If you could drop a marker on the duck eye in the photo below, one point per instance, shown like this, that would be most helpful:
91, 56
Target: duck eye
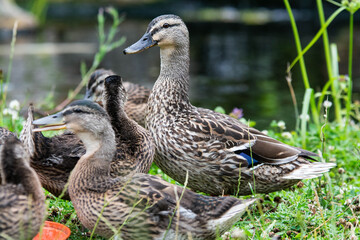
166, 25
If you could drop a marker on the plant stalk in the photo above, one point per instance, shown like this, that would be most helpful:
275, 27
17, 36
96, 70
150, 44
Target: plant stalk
328, 63
349, 90
314, 111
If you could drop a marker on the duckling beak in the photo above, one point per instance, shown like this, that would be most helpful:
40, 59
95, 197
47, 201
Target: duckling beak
88, 95
145, 42
51, 122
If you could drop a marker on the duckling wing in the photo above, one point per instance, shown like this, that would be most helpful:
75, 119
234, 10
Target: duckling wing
137, 94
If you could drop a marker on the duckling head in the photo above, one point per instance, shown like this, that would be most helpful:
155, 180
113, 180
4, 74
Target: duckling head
85, 118
165, 31
14, 161
115, 94
95, 86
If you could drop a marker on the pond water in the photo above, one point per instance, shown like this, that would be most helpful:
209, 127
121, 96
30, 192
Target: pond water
232, 65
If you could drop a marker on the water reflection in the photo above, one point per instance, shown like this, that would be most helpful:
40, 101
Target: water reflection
231, 65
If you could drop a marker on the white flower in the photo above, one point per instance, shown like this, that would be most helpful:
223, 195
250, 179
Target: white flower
6, 111
327, 104
265, 132
14, 114
307, 117
331, 148
281, 125
286, 135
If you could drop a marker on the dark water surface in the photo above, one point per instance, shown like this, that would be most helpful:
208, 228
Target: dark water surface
232, 65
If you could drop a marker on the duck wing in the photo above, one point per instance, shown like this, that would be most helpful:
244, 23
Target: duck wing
249, 144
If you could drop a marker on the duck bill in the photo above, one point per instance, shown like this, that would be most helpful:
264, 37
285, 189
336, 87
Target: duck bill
88, 95
50, 123
145, 42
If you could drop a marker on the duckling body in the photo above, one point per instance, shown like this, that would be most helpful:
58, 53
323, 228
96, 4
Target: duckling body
137, 95
4, 134
222, 155
136, 148
22, 201
137, 206
54, 158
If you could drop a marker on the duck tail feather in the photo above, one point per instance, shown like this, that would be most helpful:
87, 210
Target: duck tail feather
308, 171
226, 220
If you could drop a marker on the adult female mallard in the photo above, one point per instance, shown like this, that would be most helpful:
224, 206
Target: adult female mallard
135, 106
54, 158
222, 155
137, 206
22, 200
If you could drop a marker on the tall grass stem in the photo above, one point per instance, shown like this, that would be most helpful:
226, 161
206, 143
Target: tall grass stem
349, 90
336, 100
305, 109
314, 112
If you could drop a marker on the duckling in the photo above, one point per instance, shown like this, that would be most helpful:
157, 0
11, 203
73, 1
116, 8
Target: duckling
4, 134
138, 206
135, 147
54, 158
222, 155
135, 106
22, 200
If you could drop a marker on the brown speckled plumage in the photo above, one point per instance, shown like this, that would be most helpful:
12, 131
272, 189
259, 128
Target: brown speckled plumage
137, 206
135, 146
54, 158
135, 106
213, 147
22, 200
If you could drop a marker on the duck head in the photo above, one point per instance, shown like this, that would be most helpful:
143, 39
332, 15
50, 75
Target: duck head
165, 31
86, 119
95, 86
115, 94
14, 161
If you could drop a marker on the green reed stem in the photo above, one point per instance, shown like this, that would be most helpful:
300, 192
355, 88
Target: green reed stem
305, 109
314, 111
351, 40
106, 45
328, 62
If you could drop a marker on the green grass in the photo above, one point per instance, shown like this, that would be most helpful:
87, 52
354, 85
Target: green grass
324, 208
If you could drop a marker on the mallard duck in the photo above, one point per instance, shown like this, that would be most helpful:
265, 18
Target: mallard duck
54, 158
137, 206
135, 106
22, 200
222, 155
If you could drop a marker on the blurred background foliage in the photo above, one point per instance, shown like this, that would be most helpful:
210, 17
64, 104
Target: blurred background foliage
239, 51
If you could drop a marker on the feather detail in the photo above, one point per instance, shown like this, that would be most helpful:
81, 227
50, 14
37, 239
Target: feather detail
308, 171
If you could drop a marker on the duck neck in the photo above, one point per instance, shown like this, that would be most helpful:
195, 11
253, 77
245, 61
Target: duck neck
100, 150
121, 123
32, 184
26, 176
173, 81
